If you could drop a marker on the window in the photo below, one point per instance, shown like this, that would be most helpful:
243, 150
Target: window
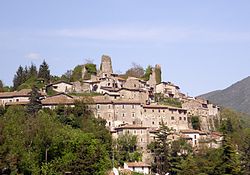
98, 106
180, 118
145, 110
123, 115
194, 136
134, 85
153, 110
163, 111
134, 131
185, 118
133, 114
133, 122
133, 106
17, 100
172, 118
141, 139
153, 123
122, 106
159, 110
109, 106
109, 123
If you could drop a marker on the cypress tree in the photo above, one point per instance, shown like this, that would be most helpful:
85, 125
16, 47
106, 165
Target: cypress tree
19, 77
230, 159
35, 103
32, 71
44, 72
1, 86
161, 150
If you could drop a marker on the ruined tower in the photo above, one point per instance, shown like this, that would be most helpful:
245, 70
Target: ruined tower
155, 76
106, 66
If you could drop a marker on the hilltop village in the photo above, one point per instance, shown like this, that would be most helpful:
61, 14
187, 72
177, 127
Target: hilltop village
133, 105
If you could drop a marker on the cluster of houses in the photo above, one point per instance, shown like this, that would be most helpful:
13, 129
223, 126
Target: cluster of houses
128, 106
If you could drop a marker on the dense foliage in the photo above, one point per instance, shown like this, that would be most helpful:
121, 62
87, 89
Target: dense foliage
161, 99
28, 77
126, 149
54, 142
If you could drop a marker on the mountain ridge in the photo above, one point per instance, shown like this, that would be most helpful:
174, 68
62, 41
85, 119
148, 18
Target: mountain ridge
236, 96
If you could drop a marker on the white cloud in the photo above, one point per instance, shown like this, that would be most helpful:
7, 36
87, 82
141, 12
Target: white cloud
33, 56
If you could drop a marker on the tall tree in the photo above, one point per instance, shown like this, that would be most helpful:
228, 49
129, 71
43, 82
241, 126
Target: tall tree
161, 150
35, 103
1, 86
148, 71
44, 72
245, 151
230, 160
32, 71
19, 77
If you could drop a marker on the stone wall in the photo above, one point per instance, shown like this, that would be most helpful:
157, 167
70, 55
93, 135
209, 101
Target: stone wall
106, 66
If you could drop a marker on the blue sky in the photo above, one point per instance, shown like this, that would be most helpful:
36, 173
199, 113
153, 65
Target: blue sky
201, 45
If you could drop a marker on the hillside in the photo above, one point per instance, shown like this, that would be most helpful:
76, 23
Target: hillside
236, 96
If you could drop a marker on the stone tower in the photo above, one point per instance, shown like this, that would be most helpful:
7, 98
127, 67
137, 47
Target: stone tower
106, 66
155, 76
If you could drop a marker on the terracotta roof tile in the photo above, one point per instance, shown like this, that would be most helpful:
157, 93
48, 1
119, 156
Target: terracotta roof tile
137, 164
60, 99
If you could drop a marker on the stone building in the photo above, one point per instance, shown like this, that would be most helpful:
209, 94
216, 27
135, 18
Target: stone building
105, 67
206, 112
168, 89
61, 86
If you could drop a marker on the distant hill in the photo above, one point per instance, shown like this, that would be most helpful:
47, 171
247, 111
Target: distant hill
236, 96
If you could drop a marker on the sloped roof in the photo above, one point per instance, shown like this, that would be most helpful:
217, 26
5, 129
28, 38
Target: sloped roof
191, 131
156, 106
137, 164
58, 99
131, 127
21, 93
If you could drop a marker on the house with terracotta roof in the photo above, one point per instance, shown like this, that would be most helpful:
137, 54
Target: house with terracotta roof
60, 99
139, 167
16, 96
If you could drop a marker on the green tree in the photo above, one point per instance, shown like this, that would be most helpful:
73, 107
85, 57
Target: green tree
43, 145
195, 120
1, 86
148, 72
19, 77
126, 149
245, 151
178, 151
158, 74
161, 150
32, 71
230, 160
44, 72
77, 73
188, 166
35, 102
